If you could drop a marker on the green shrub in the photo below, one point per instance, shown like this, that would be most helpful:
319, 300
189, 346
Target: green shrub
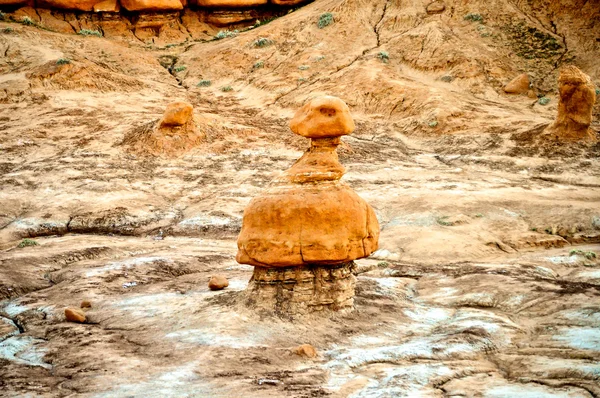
447, 78
224, 34
89, 32
7, 30
63, 61
544, 101
27, 242
302, 80
27, 21
433, 123
180, 68
383, 56
258, 65
325, 19
319, 58
226, 88
203, 83
303, 67
473, 17
598, 91
262, 42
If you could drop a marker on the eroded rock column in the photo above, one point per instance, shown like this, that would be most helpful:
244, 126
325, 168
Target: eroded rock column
304, 232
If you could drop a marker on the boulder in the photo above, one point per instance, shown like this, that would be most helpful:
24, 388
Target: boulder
107, 6
151, 5
230, 3
577, 96
86, 304
177, 114
218, 282
305, 350
437, 7
518, 85
80, 5
324, 116
74, 315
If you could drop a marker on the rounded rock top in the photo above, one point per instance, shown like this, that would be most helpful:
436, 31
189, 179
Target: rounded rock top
323, 117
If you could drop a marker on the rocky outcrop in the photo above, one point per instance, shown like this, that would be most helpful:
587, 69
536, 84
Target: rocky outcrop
151, 5
577, 98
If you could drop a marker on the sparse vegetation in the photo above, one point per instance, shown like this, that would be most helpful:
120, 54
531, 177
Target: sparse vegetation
2, 16
478, 215
27, 242
534, 229
447, 78
319, 58
590, 255
303, 67
263, 22
442, 221
433, 123
383, 264
63, 61
224, 34
473, 17
262, 42
325, 19
180, 68
7, 30
544, 101
530, 43
203, 83
383, 56
598, 91
27, 21
226, 89
302, 80
89, 32
258, 65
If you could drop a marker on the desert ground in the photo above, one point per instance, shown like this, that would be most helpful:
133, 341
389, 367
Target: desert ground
486, 282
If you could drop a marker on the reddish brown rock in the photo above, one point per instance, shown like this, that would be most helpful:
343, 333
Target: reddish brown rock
218, 282
577, 98
288, 2
81, 5
305, 350
151, 5
323, 117
74, 315
86, 304
518, 85
14, 2
177, 114
107, 6
230, 3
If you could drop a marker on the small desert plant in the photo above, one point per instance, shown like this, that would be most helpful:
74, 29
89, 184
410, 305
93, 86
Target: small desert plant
2, 16
320, 58
433, 123
262, 42
223, 34
63, 61
7, 30
325, 19
89, 32
478, 215
383, 264
263, 22
589, 255
303, 67
383, 56
473, 17
442, 221
598, 91
544, 101
226, 88
447, 78
302, 80
27, 242
180, 68
203, 83
534, 229
258, 65
27, 21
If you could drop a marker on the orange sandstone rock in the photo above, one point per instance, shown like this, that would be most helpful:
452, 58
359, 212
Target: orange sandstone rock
305, 350
74, 315
177, 114
518, 85
107, 6
577, 98
288, 2
308, 216
218, 282
86, 304
230, 3
81, 5
151, 5
13, 2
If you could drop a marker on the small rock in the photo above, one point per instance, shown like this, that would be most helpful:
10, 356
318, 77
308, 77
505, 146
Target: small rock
177, 114
305, 350
596, 222
74, 315
218, 282
86, 304
437, 7
518, 85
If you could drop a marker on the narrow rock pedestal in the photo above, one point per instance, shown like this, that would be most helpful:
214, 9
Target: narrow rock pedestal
302, 290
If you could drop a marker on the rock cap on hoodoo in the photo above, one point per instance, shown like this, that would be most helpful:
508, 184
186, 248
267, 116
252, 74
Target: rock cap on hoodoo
309, 216
322, 117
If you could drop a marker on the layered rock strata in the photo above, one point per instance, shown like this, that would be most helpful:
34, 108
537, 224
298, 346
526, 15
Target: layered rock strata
304, 232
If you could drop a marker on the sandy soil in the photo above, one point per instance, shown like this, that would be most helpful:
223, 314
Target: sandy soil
481, 286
